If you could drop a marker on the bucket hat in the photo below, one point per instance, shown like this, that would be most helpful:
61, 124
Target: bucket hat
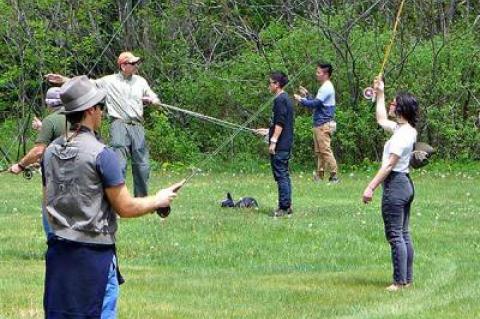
79, 94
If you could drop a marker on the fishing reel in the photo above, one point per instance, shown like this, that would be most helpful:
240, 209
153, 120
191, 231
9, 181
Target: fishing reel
28, 173
369, 94
163, 212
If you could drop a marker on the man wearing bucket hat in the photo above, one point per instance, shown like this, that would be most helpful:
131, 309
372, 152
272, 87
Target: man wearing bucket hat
84, 190
52, 127
127, 93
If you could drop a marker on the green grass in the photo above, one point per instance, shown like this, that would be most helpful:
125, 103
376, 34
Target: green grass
328, 261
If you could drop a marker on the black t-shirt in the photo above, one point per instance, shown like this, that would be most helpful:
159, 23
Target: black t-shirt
283, 115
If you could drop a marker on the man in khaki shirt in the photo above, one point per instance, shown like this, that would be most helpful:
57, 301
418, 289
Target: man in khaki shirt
127, 93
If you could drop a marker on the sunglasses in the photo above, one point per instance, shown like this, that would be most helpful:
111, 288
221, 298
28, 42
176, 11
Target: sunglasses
132, 63
101, 106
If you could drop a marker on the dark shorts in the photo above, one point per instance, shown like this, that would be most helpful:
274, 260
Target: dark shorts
75, 279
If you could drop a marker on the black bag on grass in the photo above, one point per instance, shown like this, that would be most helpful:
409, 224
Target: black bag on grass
245, 202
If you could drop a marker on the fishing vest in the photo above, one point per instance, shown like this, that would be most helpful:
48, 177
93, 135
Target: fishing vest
76, 203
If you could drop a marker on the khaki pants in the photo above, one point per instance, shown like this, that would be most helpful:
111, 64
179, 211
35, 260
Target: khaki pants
322, 136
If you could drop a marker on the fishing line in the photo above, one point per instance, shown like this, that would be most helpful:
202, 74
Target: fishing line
238, 130
114, 36
207, 118
24, 126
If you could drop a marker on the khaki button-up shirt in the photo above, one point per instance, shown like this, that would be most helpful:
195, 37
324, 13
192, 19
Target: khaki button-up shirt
124, 95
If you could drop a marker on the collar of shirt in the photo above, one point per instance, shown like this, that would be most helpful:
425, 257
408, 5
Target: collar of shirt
124, 78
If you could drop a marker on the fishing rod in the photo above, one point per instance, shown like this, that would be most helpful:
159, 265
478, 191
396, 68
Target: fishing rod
27, 171
369, 92
163, 212
207, 118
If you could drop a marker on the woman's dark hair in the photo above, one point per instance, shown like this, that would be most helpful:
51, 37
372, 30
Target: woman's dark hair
279, 77
407, 107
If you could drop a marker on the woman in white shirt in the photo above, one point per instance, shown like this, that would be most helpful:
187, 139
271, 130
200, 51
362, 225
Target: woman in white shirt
398, 190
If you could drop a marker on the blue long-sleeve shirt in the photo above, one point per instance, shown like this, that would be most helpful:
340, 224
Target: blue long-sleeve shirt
323, 104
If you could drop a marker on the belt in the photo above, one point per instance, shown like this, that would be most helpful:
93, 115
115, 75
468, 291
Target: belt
324, 123
394, 174
79, 243
128, 122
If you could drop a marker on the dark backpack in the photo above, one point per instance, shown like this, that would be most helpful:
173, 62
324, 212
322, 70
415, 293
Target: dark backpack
421, 154
228, 202
245, 202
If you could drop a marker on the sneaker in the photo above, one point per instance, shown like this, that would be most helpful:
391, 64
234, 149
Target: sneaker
334, 179
394, 288
282, 213
397, 287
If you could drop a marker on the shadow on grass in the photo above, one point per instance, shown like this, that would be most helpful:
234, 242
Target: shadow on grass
265, 211
355, 281
247, 211
40, 255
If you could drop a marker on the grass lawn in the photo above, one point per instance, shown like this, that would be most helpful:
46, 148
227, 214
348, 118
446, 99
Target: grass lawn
330, 260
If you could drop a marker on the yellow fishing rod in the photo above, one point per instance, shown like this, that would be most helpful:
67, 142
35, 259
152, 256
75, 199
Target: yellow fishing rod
369, 92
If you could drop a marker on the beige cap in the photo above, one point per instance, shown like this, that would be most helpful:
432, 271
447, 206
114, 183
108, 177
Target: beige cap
127, 57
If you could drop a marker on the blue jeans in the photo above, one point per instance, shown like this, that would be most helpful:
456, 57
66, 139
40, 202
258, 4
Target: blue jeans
46, 226
279, 163
109, 307
398, 194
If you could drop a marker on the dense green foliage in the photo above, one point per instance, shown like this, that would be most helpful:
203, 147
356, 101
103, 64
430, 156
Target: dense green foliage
330, 260
214, 57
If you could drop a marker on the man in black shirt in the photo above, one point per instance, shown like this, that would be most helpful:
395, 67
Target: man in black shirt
280, 137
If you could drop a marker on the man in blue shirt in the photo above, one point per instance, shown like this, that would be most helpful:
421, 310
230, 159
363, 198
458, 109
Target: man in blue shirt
280, 137
323, 106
